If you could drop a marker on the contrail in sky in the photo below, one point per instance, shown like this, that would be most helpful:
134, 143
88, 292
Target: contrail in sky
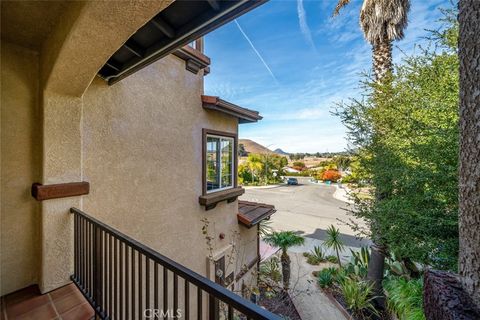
256, 51
302, 19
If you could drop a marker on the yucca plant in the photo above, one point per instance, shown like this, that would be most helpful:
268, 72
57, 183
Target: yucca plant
358, 297
270, 269
334, 242
284, 240
361, 258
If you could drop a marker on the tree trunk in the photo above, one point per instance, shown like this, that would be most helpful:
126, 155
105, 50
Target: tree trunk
376, 266
285, 259
338, 257
469, 175
382, 58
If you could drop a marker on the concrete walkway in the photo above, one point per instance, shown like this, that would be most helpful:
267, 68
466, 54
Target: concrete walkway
310, 301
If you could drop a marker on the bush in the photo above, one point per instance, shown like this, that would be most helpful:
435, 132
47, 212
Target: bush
358, 297
404, 298
331, 175
315, 256
332, 259
326, 277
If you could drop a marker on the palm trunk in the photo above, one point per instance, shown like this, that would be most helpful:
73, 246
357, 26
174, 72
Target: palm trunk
285, 260
382, 58
338, 257
469, 215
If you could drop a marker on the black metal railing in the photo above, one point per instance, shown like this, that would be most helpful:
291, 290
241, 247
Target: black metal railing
124, 279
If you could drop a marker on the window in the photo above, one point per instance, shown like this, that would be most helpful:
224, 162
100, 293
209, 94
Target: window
219, 161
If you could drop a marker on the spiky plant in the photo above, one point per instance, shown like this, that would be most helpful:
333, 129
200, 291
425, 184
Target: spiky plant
284, 240
334, 242
382, 22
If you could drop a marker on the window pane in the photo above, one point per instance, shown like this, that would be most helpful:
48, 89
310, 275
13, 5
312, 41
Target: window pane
227, 162
213, 163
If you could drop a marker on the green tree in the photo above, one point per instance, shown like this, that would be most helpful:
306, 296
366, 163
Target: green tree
284, 240
408, 142
334, 242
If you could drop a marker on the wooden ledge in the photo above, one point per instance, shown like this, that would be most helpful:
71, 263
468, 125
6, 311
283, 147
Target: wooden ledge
210, 200
62, 190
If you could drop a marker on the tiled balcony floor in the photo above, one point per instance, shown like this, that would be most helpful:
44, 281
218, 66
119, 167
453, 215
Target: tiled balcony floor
65, 303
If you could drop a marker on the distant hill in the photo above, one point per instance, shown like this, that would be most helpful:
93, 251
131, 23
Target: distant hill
281, 152
251, 146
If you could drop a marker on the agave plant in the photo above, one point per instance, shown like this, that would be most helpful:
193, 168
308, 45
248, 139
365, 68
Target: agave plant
270, 269
334, 242
326, 277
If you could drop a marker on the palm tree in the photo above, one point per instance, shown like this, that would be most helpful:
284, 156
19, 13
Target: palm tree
382, 22
284, 240
334, 242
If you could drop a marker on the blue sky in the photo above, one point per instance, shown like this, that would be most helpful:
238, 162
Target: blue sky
292, 61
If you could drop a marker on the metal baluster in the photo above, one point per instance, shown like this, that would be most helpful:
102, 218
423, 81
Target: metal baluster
127, 283
133, 284
230, 312
110, 273
175, 294
105, 274
122, 263
199, 303
212, 310
187, 301
115, 279
147, 283
140, 286
165, 289
155, 286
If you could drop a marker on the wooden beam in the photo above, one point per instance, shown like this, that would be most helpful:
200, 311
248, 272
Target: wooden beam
112, 65
214, 4
62, 190
134, 48
164, 27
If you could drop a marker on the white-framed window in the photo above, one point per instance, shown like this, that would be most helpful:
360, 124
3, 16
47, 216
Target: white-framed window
219, 162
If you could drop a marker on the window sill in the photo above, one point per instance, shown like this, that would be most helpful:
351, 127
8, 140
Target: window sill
210, 200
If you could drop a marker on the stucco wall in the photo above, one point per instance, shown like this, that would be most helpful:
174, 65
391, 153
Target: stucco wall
142, 154
20, 167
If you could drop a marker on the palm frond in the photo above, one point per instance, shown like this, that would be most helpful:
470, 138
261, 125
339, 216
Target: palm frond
384, 19
339, 6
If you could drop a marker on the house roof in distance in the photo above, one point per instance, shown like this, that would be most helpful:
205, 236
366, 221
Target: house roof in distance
244, 115
251, 213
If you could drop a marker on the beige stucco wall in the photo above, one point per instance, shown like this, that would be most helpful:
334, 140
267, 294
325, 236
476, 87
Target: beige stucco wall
142, 154
20, 167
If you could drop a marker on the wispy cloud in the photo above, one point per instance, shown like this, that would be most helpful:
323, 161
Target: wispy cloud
302, 19
256, 51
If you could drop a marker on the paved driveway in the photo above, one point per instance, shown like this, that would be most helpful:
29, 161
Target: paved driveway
308, 209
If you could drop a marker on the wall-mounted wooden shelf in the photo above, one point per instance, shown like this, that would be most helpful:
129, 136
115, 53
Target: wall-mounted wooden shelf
62, 190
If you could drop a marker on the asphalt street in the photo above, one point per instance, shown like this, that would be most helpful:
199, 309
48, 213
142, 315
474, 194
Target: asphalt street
308, 209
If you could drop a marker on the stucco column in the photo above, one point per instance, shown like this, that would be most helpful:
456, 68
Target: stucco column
62, 163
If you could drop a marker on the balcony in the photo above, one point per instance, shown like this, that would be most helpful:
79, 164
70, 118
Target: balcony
123, 279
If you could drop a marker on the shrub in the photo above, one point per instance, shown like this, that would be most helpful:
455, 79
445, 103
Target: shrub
404, 298
315, 256
332, 259
331, 175
358, 297
326, 277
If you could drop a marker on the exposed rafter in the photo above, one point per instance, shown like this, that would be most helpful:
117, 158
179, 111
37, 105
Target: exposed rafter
214, 4
164, 27
134, 48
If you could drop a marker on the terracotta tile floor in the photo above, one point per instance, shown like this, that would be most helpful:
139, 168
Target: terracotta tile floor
64, 303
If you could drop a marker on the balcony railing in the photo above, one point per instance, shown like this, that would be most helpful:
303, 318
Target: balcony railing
124, 279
